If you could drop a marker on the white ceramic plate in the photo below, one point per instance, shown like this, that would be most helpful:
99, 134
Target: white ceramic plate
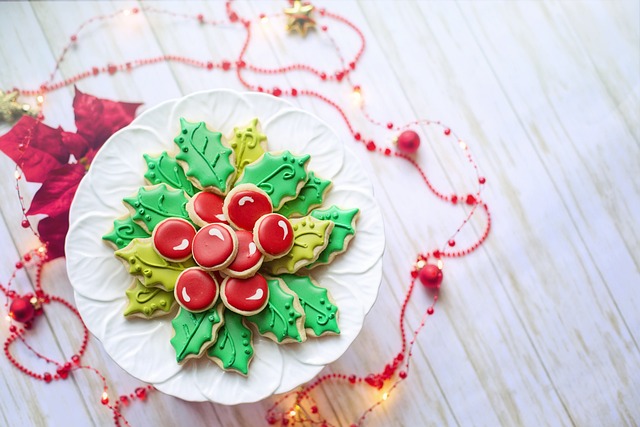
142, 347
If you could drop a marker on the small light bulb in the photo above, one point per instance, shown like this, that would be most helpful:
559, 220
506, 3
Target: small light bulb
292, 413
17, 174
127, 12
39, 99
357, 95
462, 144
8, 318
385, 396
440, 264
42, 250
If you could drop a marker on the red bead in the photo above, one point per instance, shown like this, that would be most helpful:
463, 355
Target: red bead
135, 10
431, 276
357, 136
47, 377
451, 243
314, 409
371, 146
447, 131
74, 38
233, 17
13, 329
294, 92
22, 310
339, 75
25, 223
19, 265
324, 28
389, 125
436, 254
141, 393
323, 76
75, 359
430, 311
200, 18
226, 65
454, 199
112, 69
387, 152
408, 142
352, 379
124, 400
352, 65
403, 374
62, 372
471, 200
276, 91
271, 419
482, 180
27, 257
104, 399
414, 274
209, 65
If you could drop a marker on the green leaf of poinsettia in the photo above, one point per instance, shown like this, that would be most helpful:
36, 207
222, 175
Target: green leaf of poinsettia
344, 228
282, 319
148, 301
144, 261
321, 315
280, 175
207, 160
154, 204
124, 231
233, 348
194, 331
311, 195
165, 169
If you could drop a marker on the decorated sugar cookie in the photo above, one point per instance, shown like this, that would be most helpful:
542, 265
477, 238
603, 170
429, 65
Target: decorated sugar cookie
194, 332
124, 231
244, 205
344, 230
245, 296
248, 145
215, 246
152, 205
273, 235
233, 349
148, 302
196, 290
206, 208
172, 239
311, 195
248, 259
164, 169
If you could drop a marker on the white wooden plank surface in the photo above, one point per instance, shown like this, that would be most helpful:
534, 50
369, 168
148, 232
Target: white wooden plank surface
539, 327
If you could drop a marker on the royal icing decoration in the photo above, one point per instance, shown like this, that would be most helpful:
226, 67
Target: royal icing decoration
311, 195
154, 204
124, 231
310, 237
207, 161
248, 145
165, 169
215, 246
172, 239
148, 302
195, 241
233, 349
245, 296
205, 208
196, 290
245, 204
280, 175
248, 259
273, 234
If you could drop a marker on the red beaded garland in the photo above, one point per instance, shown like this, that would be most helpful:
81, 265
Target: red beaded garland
21, 310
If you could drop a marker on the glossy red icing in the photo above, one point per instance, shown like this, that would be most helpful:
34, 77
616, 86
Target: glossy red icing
274, 234
208, 206
245, 207
248, 255
214, 245
196, 290
245, 295
172, 238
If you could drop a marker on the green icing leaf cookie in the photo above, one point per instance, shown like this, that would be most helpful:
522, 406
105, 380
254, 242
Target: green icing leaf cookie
344, 229
280, 175
154, 204
282, 319
124, 231
206, 159
156, 271
165, 169
233, 348
193, 331
321, 315
248, 144
145, 302
310, 237
311, 195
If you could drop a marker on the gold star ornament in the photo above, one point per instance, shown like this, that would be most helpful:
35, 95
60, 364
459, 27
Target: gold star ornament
299, 17
11, 110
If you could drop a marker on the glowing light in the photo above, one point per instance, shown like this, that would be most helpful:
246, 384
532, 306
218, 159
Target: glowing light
293, 413
127, 12
42, 250
385, 396
8, 318
17, 174
440, 264
462, 144
264, 20
357, 95
39, 99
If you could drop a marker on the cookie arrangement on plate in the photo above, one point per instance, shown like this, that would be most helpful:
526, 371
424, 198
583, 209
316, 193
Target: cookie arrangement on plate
229, 234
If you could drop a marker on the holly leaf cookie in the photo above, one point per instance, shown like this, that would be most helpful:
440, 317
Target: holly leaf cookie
152, 205
206, 160
124, 231
165, 169
143, 260
344, 229
311, 195
282, 320
321, 314
148, 302
233, 349
248, 145
311, 237
193, 332
280, 175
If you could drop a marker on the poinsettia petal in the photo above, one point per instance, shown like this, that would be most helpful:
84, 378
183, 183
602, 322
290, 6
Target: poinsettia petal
97, 119
43, 151
75, 144
56, 193
52, 231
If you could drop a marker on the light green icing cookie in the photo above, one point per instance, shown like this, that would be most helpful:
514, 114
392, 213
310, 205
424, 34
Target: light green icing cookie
165, 169
208, 161
193, 331
310, 237
233, 349
124, 231
280, 175
311, 195
248, 145
282, 319
344, 229
151, 205
155, 271
147, 301
321, 316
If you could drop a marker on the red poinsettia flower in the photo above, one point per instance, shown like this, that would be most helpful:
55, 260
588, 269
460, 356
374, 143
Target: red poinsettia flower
59, 159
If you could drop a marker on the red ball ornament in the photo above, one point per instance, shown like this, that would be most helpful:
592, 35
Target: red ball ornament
21, 310
430, 276
408, 142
